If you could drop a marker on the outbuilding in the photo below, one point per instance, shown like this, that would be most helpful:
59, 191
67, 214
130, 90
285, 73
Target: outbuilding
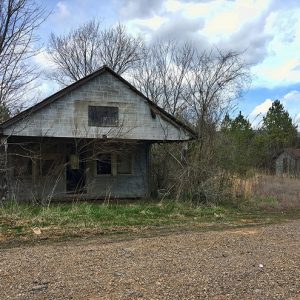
288, 163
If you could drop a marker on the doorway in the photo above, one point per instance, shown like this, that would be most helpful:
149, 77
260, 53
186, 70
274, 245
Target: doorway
75, 171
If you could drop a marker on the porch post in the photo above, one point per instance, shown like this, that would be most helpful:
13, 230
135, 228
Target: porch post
3, 170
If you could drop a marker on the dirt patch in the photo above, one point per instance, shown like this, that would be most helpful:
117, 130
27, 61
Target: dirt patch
249, 263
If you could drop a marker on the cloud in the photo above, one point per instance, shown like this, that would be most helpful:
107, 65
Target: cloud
292, 97
132, 9
259, 112
262, 108
284, 5
145, 25
181, 29
230, 25
252, 39
290, 101
62, 10
43, 60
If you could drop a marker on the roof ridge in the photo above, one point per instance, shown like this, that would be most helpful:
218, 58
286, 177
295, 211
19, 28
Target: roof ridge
81, 81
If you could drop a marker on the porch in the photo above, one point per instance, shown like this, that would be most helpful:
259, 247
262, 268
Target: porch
66, 168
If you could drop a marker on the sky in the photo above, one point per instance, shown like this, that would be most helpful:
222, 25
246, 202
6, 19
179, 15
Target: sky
266, 31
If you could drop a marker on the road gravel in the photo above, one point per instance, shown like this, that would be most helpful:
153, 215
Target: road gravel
261, 262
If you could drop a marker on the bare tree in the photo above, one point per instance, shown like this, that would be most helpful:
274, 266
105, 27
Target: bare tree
161, 74
119, 50
85, 49
19, 20
214, 81
199, 88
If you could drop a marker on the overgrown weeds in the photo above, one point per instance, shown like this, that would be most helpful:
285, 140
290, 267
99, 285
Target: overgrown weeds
31, 222
267, 192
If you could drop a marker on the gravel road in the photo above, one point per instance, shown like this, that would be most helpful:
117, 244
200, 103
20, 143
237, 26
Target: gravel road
249, 263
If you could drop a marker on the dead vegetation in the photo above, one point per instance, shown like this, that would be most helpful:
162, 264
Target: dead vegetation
268, 191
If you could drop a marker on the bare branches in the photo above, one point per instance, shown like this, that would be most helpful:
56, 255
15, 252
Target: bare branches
119, 50
18, 21
87, 48
215, 80
199, 87
161, 75
75, 54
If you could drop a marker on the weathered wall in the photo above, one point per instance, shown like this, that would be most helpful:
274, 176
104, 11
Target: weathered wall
35, 187
68, 116
38, 187
293, 165
121, 186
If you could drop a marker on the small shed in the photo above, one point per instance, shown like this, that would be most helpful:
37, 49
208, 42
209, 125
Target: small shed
288, 163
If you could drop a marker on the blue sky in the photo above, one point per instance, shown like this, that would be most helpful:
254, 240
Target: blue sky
267, 30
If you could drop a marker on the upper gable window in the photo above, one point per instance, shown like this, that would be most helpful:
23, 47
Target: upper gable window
103, 116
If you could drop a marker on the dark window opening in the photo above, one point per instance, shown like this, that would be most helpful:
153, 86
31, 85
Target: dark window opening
23, 166
104, 164
103, 116
124, 164
48, 167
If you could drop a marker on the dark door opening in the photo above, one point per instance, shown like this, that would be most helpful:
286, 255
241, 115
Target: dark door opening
75, 172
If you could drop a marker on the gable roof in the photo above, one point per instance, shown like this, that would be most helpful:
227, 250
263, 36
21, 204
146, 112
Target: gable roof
79, 83
293, 151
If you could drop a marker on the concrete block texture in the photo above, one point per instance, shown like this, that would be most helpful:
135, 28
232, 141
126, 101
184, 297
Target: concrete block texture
68, 115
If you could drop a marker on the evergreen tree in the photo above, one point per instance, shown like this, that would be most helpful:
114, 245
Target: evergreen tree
237, 147
278, 131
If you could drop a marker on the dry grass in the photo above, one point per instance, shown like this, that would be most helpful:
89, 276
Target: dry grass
269, 191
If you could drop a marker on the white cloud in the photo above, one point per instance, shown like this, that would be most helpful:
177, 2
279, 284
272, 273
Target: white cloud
259, 112
290, 101
261, 109
43, 60
62, 10
292, 97
281, 65
137, 26
267, 30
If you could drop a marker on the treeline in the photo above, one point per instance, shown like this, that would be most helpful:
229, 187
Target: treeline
206, 170
244, 148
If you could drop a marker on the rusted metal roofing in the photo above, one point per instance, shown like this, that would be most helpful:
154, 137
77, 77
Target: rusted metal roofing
293, 151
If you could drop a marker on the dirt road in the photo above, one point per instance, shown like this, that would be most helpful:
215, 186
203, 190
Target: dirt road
250, 263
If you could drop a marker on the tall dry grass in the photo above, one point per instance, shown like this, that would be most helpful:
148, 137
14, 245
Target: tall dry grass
270, 190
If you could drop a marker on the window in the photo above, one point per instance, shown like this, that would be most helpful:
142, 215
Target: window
124, 164
104, 164
23, 166
103, 116
48, 167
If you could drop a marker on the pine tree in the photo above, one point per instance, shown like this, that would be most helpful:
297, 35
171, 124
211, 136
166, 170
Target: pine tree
237, 144
278, 128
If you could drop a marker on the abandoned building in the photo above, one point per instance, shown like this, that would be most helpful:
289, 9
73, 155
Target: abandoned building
288, 163
92, 140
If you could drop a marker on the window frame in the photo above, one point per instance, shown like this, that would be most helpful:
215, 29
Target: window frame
130, 155
95, 124
96, 165
32, 167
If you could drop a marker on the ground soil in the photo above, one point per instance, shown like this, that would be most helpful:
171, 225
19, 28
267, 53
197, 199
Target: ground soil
258, 262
